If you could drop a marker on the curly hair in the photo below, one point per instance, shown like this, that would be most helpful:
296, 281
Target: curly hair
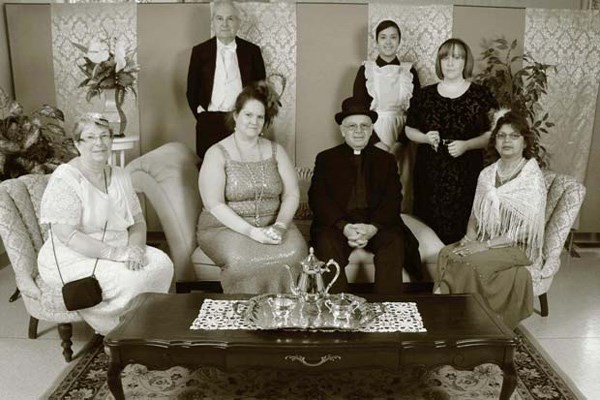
262, 92
518, 122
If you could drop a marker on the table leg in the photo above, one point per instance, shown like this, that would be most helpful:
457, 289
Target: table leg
113, 378
509, 383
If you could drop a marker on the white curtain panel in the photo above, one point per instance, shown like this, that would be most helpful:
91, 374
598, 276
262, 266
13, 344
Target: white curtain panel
80, 23
423, 28
272, 27
569, 39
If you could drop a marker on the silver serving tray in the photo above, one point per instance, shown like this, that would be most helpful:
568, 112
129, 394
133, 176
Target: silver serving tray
286, 311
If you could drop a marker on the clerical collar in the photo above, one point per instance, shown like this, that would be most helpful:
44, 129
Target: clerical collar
356, 152
382, 63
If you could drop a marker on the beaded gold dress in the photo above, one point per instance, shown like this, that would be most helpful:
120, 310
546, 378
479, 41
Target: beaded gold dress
248, 266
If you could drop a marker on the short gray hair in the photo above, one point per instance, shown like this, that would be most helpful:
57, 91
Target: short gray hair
219, 3
86, 120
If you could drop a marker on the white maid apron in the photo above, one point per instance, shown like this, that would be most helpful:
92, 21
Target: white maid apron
391, 88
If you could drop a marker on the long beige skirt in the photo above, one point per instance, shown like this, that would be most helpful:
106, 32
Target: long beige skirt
498, 275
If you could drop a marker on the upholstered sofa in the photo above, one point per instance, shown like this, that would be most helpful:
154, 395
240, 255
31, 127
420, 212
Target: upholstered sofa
168, 177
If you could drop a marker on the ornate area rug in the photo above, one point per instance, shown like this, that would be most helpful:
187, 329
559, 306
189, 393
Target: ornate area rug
536, 381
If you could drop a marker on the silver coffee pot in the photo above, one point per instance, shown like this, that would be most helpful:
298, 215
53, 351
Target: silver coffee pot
310, 286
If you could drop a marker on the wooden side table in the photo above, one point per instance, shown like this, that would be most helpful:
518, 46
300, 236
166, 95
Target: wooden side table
119, 146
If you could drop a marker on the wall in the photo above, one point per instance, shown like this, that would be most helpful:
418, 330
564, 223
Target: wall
327, 61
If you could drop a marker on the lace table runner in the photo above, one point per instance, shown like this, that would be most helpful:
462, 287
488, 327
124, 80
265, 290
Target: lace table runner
228, 314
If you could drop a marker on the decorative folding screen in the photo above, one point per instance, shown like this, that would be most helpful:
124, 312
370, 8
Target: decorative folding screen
569, 39
80, 23
272, 26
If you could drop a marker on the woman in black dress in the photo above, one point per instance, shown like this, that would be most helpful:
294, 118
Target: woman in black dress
450, 122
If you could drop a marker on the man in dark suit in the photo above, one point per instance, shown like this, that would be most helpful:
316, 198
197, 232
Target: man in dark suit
219, 69
356, 197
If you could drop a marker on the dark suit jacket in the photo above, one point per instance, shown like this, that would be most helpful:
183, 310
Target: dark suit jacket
333, 180
331, 188
201, 73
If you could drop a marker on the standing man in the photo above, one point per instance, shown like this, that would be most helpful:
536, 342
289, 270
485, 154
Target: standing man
219, 69
356, 198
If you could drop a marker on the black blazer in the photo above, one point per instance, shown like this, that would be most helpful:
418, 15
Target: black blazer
201, 72
333, 180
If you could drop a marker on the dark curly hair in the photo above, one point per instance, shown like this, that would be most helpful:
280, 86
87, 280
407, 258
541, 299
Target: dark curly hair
519, 123
260, 91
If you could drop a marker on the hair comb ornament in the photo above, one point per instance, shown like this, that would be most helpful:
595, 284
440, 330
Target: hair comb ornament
275, 84
499, 114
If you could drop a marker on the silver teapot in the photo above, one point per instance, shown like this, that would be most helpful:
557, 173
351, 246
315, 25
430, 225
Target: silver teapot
310, 286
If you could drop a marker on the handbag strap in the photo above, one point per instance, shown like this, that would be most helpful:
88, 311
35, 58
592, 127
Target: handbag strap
103, 234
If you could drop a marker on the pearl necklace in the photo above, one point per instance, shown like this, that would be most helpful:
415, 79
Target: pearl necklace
259, 187
506, 177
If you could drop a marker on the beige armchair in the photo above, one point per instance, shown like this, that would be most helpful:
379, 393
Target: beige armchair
23, 237
168, 177
565, 196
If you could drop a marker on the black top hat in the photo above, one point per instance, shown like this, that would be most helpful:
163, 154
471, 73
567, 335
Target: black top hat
354, 106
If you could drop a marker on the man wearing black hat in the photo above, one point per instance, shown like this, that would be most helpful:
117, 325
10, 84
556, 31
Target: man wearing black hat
356, 197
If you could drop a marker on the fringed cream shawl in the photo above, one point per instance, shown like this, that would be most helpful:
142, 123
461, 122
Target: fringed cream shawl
515, 210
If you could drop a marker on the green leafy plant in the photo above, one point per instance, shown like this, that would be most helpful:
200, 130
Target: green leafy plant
519, 89
34, 143
108, 64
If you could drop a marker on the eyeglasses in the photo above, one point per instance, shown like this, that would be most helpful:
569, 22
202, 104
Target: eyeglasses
93, 139
356, 127
511, 136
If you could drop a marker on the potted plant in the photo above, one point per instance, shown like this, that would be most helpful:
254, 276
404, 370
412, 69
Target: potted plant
518, 89
109, 67
34, 143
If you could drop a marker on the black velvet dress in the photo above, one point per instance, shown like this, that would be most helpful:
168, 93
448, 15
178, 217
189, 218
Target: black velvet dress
444, 186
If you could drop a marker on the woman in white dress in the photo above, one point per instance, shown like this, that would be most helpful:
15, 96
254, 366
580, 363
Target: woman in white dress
94, 214
388, 85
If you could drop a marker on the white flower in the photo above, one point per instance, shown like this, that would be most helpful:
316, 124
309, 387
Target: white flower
97, 51
120, 56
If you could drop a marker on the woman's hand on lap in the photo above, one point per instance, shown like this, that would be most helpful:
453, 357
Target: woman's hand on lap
470, 248
263, 235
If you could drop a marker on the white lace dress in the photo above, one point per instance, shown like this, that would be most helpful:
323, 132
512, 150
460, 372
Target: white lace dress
71, 199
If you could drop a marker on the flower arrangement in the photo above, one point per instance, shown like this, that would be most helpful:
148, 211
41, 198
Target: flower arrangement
34, 143
108, 64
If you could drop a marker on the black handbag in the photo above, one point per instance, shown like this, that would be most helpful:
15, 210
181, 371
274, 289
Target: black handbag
85, 292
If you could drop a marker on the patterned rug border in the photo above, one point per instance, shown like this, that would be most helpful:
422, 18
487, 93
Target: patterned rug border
80, 384
549, 366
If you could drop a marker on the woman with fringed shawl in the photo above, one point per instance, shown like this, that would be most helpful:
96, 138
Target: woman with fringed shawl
505, 232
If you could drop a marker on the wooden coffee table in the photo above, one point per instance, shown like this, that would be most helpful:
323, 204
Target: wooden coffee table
461, 332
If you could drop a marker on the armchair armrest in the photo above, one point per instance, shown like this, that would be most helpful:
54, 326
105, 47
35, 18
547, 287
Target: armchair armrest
168, 177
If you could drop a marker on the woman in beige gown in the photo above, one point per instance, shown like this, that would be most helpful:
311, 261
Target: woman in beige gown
250, 193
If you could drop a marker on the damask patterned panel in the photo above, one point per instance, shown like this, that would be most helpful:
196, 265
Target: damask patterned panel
424, 28
568, 39
272, 26
80, 23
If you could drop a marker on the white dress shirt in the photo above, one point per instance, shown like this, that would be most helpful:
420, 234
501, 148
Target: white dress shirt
228, 81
